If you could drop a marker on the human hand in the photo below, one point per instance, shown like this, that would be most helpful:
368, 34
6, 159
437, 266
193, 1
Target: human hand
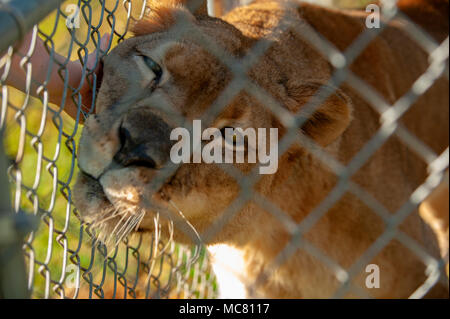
76, 75
40, 63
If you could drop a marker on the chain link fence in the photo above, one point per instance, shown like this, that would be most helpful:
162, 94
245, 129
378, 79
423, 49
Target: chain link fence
63, 259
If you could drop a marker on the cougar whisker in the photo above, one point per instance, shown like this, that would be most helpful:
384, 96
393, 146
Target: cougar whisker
187, 221
130, 225
141, 217
119, 223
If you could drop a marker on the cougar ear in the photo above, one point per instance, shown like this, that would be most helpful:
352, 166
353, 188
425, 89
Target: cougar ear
196, 7
330, 119
162, 15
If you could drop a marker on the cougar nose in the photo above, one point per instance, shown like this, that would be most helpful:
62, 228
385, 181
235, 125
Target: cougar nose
144, 140
132, 153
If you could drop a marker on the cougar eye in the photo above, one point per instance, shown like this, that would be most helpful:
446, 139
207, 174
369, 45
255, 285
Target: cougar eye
155, 67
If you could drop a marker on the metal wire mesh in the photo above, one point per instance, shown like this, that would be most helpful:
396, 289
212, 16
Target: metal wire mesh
62, 256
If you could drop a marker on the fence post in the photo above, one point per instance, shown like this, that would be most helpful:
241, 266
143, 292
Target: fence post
13, 283
17, 17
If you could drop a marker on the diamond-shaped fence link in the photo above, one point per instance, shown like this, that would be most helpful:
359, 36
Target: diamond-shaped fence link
41, 129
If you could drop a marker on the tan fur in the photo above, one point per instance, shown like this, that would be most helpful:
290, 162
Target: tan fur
290, 71
434, 210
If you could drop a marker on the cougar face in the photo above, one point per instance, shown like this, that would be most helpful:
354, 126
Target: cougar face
151, 85
160, 80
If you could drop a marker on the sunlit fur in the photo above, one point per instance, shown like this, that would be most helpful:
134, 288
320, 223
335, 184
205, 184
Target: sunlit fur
290, 71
